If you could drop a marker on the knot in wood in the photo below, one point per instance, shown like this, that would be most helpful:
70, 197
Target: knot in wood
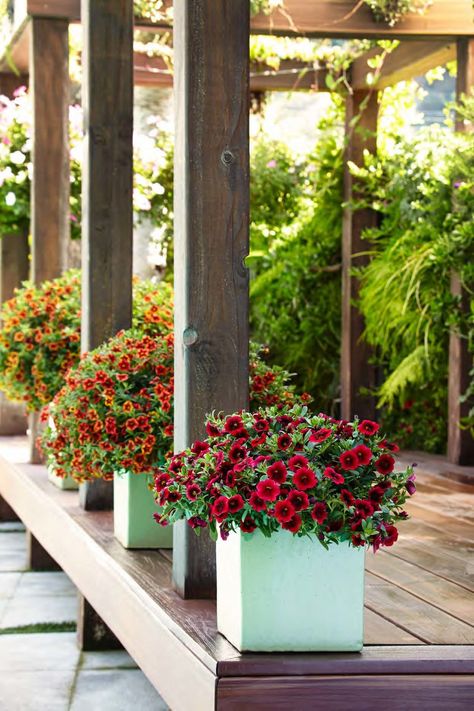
190, 336
227, 157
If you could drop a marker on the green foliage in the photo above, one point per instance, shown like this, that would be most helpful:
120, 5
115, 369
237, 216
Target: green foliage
423, 191
392, 11
295, 296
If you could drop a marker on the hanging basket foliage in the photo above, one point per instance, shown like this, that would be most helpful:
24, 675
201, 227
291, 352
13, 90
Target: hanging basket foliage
392, 11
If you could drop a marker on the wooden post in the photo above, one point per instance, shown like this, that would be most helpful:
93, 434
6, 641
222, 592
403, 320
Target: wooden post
211, 61
50, 227
460, 442
37, 556
93, 635
356, 373
14, 269
107, 217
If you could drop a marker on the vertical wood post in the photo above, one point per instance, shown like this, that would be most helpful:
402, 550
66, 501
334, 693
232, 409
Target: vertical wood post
107, 217
93, 635
460, 442
211, 59
356, 373
37, 556
50, 188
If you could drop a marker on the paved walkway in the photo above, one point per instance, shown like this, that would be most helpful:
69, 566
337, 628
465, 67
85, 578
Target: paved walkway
41, 668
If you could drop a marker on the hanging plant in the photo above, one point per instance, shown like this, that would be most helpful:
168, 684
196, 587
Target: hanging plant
392, 11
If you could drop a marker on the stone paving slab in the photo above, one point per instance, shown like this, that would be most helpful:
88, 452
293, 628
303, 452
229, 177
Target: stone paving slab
37, 691
8, 584
119, 690
30, 610
38, 652
12, 552
117, 659
45, 585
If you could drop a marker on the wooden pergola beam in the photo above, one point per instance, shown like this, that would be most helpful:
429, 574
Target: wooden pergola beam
324, 18
407, 61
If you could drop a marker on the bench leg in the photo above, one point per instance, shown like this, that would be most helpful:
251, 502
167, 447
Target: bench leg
93, 635
7, 515
38, 557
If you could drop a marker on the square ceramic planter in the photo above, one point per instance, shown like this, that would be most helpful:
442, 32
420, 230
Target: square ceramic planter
289, 594
134, 506
66, 482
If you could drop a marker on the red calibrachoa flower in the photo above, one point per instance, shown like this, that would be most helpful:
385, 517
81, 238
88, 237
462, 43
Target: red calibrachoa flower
297, 489
368, 428
385, 464
116, 410
40, 338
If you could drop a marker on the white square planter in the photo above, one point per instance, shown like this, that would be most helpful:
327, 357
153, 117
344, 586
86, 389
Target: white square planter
134, 506
66, 482
289, 594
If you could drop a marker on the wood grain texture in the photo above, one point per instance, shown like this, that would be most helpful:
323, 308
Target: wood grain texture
335, 18
400, 693
356, 372
49, 72
324, 18
211, 210
107, 211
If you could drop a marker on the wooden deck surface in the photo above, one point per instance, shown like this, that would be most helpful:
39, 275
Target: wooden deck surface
420, 592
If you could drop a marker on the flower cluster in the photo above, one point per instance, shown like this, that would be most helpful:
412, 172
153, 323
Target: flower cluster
269, 385
289, 470
115, 411
41, 333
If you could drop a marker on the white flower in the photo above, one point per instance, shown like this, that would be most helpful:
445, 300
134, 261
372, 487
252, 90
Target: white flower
140, 202
10, 199
158, 189
17, 157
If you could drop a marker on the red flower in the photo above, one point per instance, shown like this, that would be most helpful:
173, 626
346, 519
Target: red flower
277, 472
385, 464
299, 500
193, 491
233, 423
376, 494
161, 481
297, 462
199, 448
284, 441
235, 503
391, 535
391, 446
320, 435
261, 425
237, 453
334, 475
364, 508
284, 511
212, 430
367, 427
256, 502
220, 508
268, 489
346, 497
357, 541
294, 524
349, 460
363, 454
248, 526
304, 478
319, 512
